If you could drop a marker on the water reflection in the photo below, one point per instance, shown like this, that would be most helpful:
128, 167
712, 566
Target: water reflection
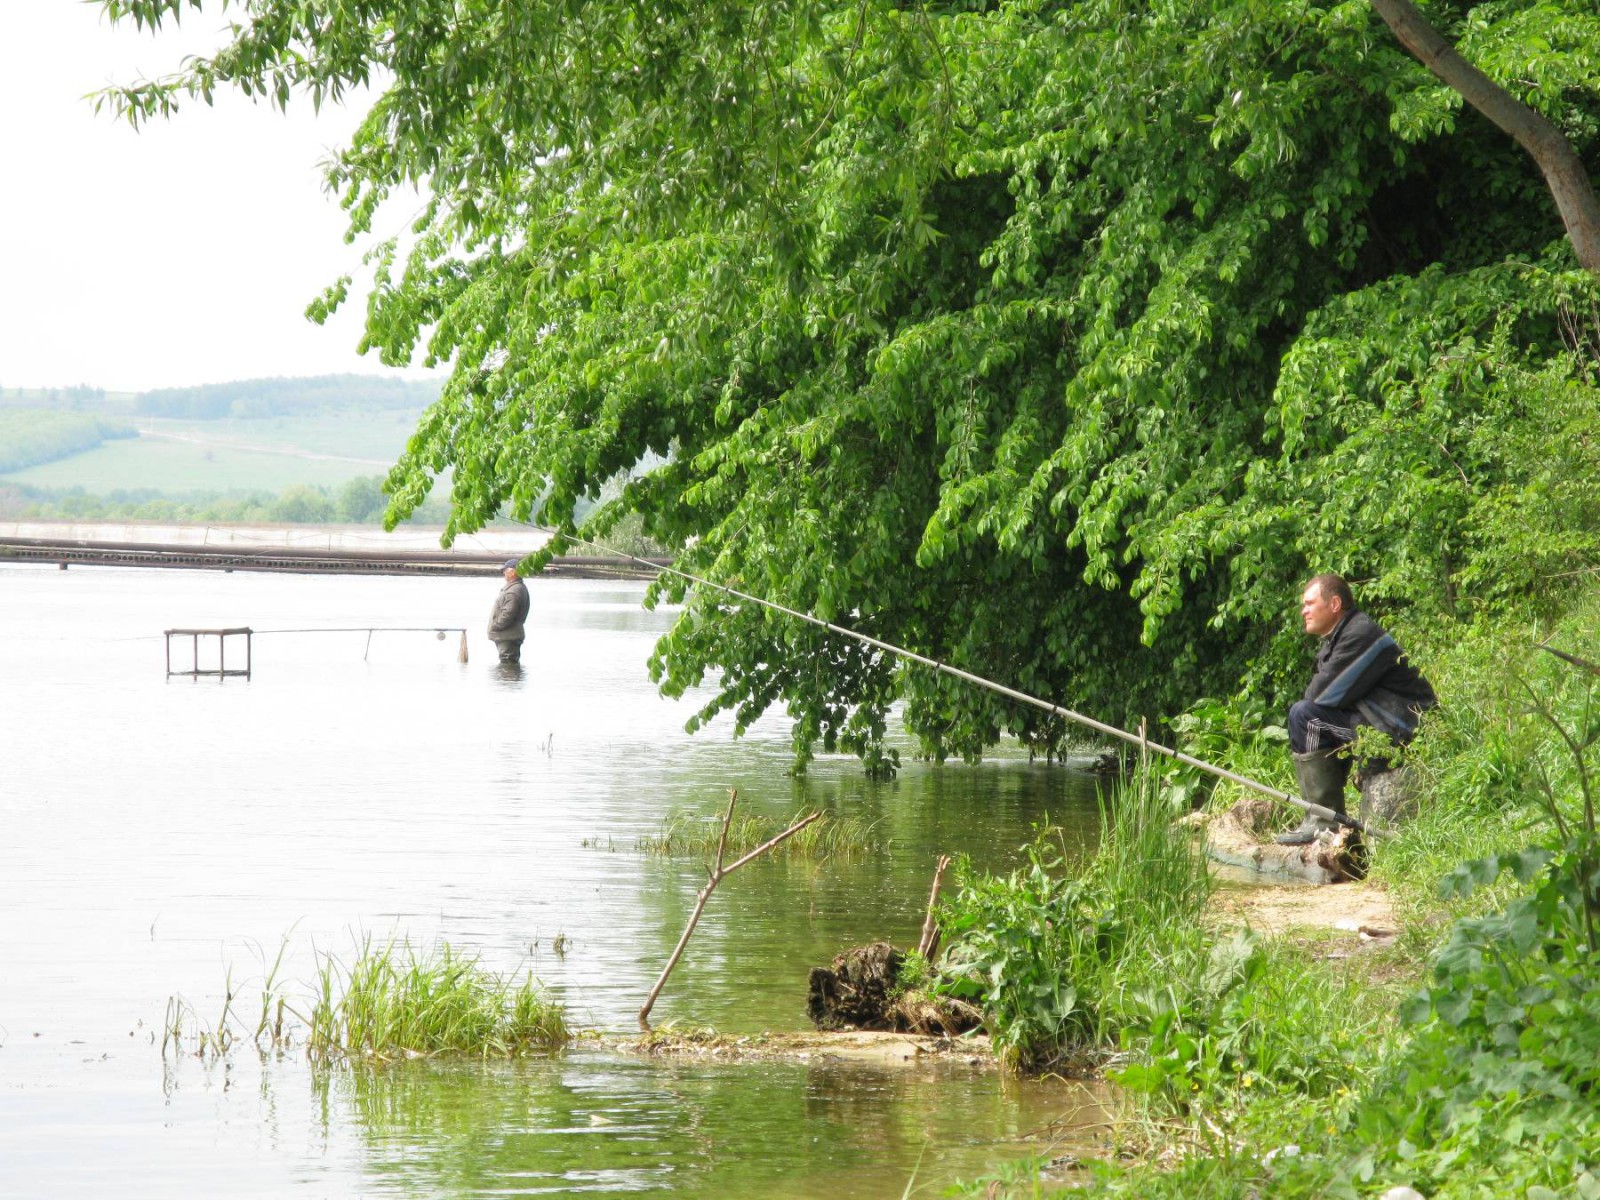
594, 1122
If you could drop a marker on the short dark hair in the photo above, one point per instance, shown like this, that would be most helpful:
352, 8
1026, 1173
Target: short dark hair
1331, 585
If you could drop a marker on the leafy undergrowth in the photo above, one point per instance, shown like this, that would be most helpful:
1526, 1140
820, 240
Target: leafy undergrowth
1464, 1061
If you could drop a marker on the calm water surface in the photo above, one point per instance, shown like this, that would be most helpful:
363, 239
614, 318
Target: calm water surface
163, 836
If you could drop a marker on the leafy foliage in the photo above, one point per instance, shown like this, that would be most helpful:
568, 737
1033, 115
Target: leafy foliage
1506, 1050
1111, 963
1048, 953
1057, 341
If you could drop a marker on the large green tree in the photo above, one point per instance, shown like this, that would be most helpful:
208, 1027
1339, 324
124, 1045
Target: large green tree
1053, 340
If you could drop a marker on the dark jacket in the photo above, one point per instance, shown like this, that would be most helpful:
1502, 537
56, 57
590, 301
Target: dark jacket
510, 611
1362, 669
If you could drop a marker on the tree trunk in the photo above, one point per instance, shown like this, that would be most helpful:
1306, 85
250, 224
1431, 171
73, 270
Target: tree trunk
1563, 170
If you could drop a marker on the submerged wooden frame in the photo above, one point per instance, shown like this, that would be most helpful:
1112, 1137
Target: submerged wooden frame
222, 636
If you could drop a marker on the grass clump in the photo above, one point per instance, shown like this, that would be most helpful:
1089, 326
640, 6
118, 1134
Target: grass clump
393, 1002
827, 837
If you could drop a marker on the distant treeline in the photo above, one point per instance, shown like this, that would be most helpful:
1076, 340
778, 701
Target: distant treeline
359, 501
79, 396
285, 397
29, 436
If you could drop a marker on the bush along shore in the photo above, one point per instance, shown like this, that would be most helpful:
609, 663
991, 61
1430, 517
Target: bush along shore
1461, 1059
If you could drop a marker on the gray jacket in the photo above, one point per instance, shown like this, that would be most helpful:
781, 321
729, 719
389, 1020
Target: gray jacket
510, 611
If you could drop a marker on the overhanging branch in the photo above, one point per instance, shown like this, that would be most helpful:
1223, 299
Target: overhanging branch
1563, 171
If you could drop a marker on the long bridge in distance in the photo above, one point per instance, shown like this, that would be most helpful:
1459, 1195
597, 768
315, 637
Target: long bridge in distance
302, 551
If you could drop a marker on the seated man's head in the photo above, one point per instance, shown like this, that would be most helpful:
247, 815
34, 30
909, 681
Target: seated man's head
1325, 603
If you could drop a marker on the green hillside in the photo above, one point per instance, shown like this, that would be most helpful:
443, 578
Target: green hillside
29, 436
246, 435
252, 398
192, 456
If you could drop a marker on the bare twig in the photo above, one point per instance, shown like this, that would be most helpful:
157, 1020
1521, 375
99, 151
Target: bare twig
716, 875
1592, 668
928, 945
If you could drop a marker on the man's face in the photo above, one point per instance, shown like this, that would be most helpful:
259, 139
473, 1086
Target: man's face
510, 573
1320, 613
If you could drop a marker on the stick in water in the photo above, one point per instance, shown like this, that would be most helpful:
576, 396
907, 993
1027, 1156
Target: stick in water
928, 945
717, 874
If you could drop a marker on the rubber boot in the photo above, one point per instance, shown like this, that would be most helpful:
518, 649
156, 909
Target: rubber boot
1322, 775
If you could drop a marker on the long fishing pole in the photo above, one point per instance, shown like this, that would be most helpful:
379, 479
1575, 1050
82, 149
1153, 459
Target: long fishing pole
1137, 739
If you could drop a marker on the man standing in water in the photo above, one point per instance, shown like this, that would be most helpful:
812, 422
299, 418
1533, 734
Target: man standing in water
1362, 678
510, 611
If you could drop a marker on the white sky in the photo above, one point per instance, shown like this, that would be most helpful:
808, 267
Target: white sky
181, 253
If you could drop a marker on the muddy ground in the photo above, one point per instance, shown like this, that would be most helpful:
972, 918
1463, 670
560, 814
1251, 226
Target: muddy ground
860, 1046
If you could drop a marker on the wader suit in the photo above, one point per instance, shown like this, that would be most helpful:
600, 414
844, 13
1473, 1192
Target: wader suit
506, 622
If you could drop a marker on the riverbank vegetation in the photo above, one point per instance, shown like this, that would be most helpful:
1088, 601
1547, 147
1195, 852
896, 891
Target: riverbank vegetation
392, 1001
1460, 1059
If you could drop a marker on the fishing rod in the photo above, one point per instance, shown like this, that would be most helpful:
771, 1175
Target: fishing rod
1137, 739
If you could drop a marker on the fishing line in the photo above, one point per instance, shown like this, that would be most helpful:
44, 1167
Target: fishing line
1137, 739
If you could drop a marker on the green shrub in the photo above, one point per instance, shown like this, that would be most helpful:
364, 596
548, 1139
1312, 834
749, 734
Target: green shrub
1050, 958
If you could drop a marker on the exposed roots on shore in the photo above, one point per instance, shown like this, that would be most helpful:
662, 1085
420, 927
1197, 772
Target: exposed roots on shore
862, 990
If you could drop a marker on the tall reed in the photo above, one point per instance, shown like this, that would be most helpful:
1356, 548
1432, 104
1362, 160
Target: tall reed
1146, 862
828, 837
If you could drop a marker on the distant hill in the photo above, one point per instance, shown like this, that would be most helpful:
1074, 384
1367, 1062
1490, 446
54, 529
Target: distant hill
29, 436
78, 398
280, 397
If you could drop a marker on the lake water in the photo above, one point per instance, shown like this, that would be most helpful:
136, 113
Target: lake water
165, 836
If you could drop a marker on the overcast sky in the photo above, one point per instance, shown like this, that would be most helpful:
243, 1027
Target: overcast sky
181, 253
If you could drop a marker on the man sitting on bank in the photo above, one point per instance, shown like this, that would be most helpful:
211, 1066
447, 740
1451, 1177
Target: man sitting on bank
1362, 678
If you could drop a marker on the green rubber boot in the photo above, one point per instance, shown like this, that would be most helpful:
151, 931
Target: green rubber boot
1322, 775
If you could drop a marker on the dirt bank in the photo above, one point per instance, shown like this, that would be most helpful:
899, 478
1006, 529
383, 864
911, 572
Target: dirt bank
1360, 910
881, 1049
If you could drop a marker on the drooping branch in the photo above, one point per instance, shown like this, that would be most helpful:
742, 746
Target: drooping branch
1563, 171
